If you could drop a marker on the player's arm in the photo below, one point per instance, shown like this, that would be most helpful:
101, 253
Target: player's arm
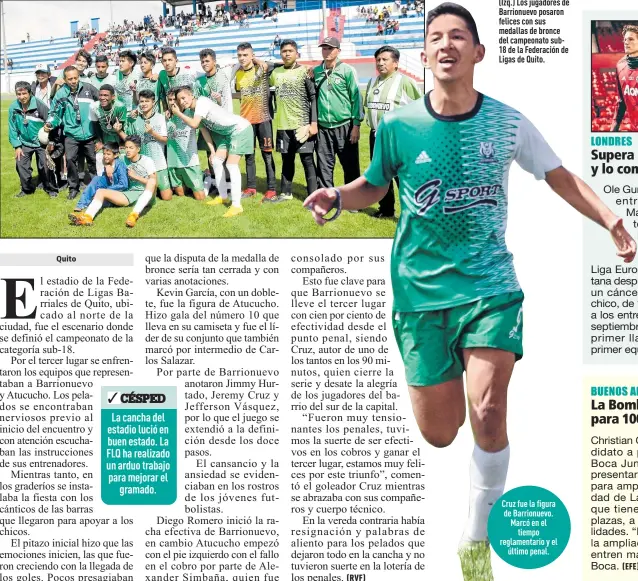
206, 136
353, 196
192, 122
311, 92
162, 135
581, 197
622, 107
138, 178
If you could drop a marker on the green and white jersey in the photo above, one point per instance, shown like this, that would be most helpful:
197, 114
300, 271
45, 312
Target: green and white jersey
143, 167
97, 82
150, 146
293, 90
182, 142
383, 95
123, 87
449, 248
181, 78
107, 119
218, 83
217, 119
144, 84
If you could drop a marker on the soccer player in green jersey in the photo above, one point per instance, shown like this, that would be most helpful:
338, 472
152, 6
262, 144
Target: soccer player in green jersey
147, 81
183, 159
388, 91
214, 83
150, 126
106, 111
232, 134
295, 118
457, 301
102, 75
172, 76
125, 78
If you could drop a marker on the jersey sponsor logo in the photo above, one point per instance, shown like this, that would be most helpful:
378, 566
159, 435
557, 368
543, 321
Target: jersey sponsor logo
488, 152
429, 195
423, 157
484, 195
379, 106
631, 91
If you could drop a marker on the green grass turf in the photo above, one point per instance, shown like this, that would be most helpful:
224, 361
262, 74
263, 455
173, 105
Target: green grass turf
38, 216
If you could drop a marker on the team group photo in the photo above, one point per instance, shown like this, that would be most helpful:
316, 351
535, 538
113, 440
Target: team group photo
146, 132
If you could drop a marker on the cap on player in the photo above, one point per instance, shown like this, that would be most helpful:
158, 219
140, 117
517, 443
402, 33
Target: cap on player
331, 41
41, 67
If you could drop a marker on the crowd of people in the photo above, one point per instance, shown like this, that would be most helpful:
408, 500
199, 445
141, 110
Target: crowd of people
374, 14
158, 122
84, 35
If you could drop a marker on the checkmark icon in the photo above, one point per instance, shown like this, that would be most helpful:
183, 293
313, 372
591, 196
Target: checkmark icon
111, 395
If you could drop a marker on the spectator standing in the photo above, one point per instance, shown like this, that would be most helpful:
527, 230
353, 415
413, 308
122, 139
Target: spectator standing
41, 88
339, 115
387, 92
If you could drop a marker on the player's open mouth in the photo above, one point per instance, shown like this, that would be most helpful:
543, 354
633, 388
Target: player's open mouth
448, 60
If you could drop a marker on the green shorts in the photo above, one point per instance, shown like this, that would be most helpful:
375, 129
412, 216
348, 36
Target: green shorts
163, 180
431, 342
241, 143
133, 195
191, 176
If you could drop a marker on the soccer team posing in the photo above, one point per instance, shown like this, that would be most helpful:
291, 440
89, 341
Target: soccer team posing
162, 121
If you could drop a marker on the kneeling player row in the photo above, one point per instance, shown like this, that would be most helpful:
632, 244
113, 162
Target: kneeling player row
227, 137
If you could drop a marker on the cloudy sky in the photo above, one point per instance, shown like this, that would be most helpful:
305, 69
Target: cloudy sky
43, 19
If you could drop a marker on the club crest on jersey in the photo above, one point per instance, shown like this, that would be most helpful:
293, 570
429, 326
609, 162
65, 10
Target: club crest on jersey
488, 152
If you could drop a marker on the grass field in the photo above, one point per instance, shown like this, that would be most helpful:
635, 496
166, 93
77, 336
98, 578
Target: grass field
38, 216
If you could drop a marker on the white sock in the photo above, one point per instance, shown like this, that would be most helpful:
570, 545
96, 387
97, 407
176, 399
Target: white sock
235, 184
220, 178
488, 472
144, 199
94, 207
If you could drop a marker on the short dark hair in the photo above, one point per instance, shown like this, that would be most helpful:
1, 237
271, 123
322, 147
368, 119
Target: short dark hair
22, 85
149, 56
69, 69
114, 147
207, 52
82, 53
288, 42
128, 54
136, 139
396, 55
101, 59
168, 50
147, 94
183, 88
109, 88
244, 46
172, 91
456, 10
